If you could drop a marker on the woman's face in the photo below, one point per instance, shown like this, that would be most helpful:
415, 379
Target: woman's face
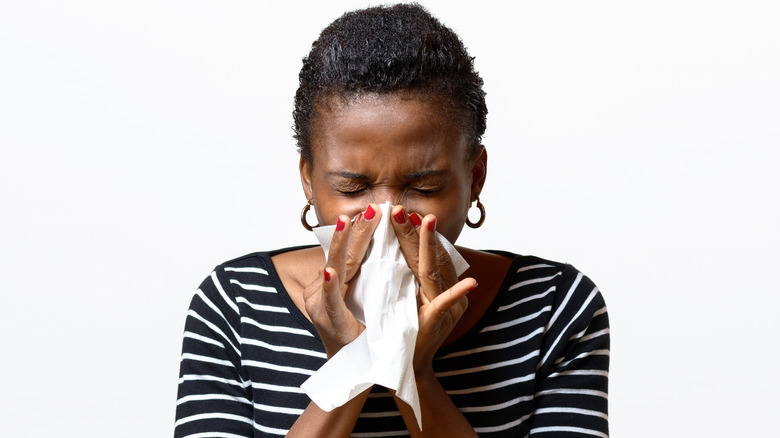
391, 148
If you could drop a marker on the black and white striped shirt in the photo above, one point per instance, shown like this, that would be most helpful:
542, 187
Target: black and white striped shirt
536, 364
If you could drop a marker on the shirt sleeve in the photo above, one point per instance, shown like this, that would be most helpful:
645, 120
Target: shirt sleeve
214, 396
571, 393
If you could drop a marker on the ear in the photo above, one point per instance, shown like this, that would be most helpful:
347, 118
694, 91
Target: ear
305, 169
478, 173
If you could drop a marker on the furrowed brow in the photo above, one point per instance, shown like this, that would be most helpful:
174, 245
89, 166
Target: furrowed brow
347, 174
425, 174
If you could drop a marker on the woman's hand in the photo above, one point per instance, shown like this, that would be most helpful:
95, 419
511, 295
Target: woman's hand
442, 302
442, 297
324, 298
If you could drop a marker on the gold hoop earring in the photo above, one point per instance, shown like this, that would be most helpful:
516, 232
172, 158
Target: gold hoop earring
481, 220
305, 210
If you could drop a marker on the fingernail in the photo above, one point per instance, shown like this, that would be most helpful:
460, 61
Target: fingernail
359, 216
370, 213
416, 221
474, 287
432, 225
340, 225
400, 217
327, 276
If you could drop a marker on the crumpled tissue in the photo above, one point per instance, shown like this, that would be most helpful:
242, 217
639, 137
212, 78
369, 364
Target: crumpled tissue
382, 296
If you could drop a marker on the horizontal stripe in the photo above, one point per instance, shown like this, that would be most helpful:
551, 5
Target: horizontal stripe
516, 321
603, 352
203, 339
206, 377
493, 386
201, 397
211, 416
593, 392
276, 329
282, 349
531, 267
497, 407
494, 347
252, 270
568, 429
271, 430
200, 358
527, 299
278, 409
581, 373
254, 287
214, 435
270, 366
490, 366
277, 388
502, 427
532, 281
262, 308
579, 411
595, 335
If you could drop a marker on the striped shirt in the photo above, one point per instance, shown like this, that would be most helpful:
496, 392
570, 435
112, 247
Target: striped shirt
536, 364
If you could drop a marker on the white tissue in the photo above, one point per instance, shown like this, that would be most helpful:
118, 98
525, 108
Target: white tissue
382, 297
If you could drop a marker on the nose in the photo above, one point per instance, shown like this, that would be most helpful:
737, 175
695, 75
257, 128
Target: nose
386, 194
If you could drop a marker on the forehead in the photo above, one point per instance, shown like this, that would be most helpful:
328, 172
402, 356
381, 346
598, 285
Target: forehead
413, 131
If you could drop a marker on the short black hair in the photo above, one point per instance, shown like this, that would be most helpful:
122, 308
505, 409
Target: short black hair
390, 49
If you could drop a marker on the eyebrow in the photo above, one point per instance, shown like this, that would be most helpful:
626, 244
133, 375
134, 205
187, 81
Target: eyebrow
413, 175
347, 174
425, 174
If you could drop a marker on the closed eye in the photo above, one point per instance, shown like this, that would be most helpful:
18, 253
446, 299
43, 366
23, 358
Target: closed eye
426, 190
351, 192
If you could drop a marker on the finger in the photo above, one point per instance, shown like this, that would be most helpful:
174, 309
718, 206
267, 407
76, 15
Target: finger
428, 270
334, 302
451, 302
337, 253
415, 219
360, 237
408, 237
335, 323
446, 268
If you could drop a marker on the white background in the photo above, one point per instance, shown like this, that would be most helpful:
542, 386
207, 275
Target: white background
145, 142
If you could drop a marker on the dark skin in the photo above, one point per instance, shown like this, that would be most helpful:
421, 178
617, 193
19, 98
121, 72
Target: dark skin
405, 150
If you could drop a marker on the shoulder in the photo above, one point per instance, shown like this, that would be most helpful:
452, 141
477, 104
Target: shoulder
254, 268
260, 259
261, 263
571, 305
562, 278
567, 299
231, 280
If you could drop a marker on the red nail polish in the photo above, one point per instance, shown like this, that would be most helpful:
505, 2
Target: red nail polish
416, 221
359, 216
327, 276
340, 225
432, 225
370, 213
400, 217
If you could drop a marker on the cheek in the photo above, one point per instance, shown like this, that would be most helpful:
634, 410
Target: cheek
329, 207
450, 213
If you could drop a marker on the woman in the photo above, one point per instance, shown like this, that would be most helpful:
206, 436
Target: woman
390, 109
